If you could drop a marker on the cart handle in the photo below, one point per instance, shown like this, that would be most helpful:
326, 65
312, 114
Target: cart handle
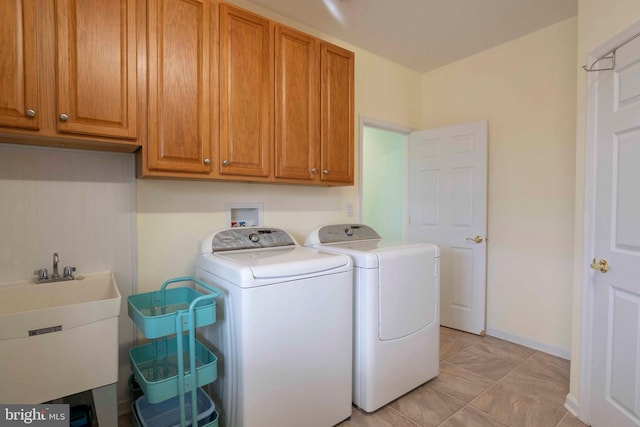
190, 315
216, 293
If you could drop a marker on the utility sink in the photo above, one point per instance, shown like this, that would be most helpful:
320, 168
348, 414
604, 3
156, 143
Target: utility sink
58, 338
28, 308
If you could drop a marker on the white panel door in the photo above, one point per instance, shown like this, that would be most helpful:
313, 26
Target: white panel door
615, 368
447, 189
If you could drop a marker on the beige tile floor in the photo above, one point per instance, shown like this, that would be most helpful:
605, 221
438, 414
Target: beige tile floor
483, 382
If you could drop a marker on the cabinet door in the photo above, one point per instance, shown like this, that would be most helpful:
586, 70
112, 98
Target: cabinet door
336, 114
297, 101
178, 37
179, 54
246, 93
19, 102
96, 67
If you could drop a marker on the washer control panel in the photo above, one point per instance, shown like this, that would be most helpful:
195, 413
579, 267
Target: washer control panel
250, 238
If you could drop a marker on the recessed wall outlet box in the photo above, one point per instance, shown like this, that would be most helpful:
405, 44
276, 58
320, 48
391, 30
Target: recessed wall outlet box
244, 214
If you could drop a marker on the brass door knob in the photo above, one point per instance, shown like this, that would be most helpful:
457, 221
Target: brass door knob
477, 239
601, 265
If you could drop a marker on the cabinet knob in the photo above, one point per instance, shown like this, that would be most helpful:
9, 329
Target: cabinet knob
31, 113
207, 161
325, 171
314, 170
225, 163
64, 117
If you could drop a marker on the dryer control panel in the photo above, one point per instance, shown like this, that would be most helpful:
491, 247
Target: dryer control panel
345, 233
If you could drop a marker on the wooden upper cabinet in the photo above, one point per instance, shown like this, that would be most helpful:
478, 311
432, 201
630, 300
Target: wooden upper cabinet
297, 104
337, 67
179, 58
96, 67
19, 101
246, 93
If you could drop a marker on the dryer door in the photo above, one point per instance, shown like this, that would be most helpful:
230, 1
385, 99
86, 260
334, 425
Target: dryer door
408, 286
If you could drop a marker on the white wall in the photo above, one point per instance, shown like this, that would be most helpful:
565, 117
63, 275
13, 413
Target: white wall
526, 89
598, 21
80, 204
174, 215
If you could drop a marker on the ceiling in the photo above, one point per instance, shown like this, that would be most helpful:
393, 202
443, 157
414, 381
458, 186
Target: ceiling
425, 34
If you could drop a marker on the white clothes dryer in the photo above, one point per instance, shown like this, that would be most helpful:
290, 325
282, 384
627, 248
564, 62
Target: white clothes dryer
396, 311
283, 334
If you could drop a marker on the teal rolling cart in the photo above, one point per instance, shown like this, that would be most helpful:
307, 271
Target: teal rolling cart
174, 364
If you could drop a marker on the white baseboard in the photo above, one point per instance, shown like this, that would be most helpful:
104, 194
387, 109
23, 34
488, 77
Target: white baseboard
556, 351
571, 405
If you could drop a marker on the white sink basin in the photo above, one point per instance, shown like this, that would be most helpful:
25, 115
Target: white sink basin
58, 338
27, 307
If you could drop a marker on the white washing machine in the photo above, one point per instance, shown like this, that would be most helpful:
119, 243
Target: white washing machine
396, 312
283, 334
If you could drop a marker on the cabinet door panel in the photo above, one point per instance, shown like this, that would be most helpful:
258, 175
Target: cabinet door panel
297, 100
18, 64
246, 94
179, 60
96, 67
337, 114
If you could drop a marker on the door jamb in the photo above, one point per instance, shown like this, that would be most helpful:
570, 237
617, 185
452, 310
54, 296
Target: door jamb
588, 279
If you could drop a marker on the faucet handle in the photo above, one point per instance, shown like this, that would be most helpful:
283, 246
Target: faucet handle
68, 272
42, 274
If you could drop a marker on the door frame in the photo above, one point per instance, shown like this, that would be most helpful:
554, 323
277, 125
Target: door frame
365, 121
583, 406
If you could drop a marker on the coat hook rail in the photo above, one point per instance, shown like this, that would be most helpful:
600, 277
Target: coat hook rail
610, 54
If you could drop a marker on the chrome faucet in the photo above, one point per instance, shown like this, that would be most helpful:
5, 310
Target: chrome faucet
43, 275
56, 260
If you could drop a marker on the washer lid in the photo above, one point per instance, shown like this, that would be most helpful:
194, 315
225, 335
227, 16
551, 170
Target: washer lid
283, 262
